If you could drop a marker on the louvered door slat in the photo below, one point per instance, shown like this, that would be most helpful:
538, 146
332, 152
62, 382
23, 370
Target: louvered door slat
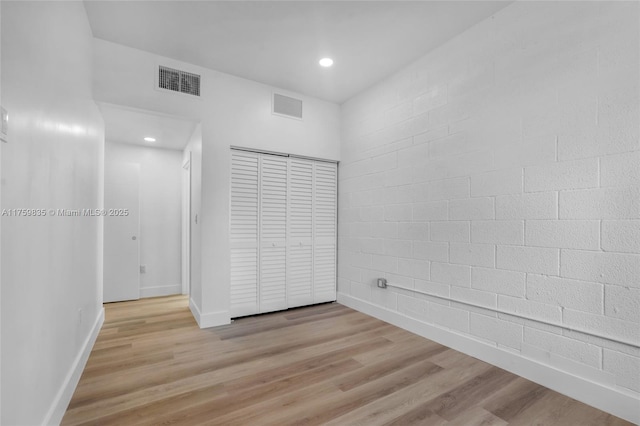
273, 232
324, 231
300, 242
243, 233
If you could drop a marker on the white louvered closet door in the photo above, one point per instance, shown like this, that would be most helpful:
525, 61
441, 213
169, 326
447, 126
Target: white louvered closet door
273, 233
324, 231
282, 232
300, 241
244, 214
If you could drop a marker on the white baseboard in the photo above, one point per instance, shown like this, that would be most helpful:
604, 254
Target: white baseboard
209, 319
592, 393
61, 402
164, 290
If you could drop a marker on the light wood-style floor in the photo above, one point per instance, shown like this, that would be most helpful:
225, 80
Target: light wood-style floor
325, 364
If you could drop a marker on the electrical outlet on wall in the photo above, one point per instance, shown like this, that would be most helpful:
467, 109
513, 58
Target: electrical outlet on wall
143, 269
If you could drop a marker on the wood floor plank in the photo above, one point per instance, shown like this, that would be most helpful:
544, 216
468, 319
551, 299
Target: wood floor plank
469, 393
395, 405
339, 404
384, 367
477, 416
418, 416
324, 364
517, 396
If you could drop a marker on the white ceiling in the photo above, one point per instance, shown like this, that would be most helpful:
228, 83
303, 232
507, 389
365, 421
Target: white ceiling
131, 126
280, 42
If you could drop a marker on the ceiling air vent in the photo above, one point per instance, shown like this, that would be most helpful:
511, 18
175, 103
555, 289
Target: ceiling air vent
284, 105
178, 81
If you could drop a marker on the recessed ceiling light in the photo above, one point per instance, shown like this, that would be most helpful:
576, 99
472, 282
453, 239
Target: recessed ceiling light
150, 139
326, 62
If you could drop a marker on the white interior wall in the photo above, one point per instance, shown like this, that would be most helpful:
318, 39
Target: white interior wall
0, 226
51, 297
502, 169
194, 148
233, 111
160, 214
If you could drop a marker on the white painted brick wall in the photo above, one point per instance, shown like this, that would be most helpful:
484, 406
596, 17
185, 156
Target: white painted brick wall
414, 268
496, 330
498, 281
456, 319
434, 98
565, 175
566, 293
601, 203
540, 205
621, 235
412, 156
528, 259
436, 210
399, 248
413, 231
427, 250
530, 308
398, 212
372, 245
476, 297
449, 189
472, 254
625, 368
498, 232
612, 327
454, 144
401, 279
622, 303
450, 231
472, 209
384, 229
608, 268
501, 182
412, 307
384, 263
503, 169
569, 348
447, 273
620, 170
576, 234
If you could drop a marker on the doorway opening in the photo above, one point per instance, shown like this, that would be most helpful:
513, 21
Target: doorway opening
147, 201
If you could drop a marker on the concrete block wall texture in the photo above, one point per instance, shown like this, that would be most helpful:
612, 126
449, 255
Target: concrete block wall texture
503, 169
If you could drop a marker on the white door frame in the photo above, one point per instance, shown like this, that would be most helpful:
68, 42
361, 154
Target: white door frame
186, 225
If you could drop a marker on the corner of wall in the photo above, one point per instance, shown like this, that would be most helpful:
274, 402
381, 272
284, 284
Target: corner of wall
62, 399
209, 319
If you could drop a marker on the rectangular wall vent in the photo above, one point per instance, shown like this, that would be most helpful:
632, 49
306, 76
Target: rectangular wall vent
178, 81
284, 105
